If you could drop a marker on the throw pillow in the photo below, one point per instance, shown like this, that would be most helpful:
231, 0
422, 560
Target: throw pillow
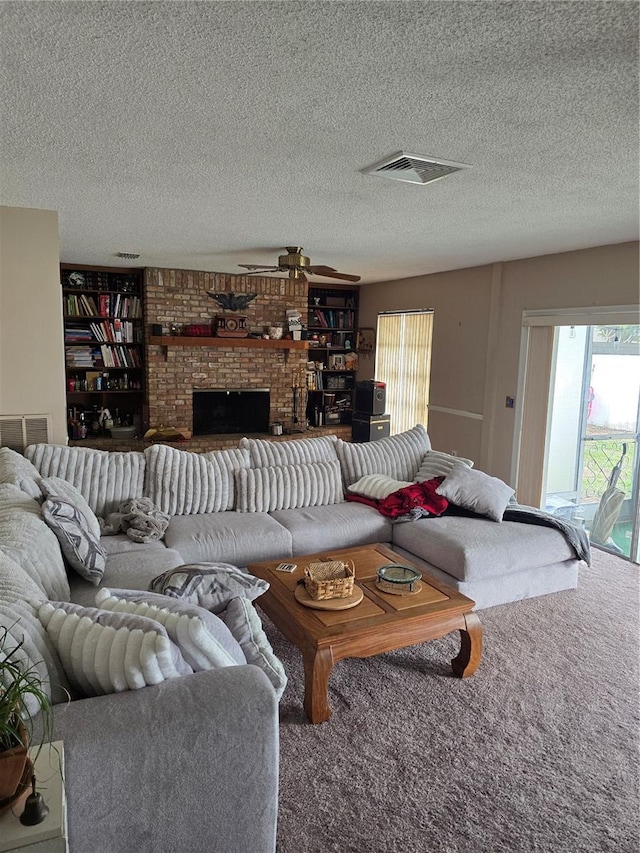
397, 456
266, 454
245, 625
80, 548
19, 617
437, 464
106, 478
14, 467
180, 482
210, 585
26, 539
59, 488
103, 652
289, 486
203, 638
476, 491
377, 486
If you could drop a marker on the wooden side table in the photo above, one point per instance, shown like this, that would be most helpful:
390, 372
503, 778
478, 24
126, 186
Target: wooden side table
50, 836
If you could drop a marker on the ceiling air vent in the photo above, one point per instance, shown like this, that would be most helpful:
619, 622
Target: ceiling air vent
414, 168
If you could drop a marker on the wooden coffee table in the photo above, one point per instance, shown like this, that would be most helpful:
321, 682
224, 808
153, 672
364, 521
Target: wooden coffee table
380, 623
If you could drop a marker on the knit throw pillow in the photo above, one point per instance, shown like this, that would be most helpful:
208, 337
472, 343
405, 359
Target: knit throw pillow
210, 585
104, 652
81, 549
437, 464
203, 638
245, 625
289, 486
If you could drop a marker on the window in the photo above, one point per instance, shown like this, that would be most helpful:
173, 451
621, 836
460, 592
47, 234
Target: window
403, 362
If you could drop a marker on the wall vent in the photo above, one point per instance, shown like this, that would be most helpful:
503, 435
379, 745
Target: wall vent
19, 431
414, 168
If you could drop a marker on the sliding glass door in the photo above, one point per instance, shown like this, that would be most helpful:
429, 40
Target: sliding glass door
591, 460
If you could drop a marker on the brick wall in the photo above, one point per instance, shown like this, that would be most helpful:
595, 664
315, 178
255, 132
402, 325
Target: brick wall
180, 297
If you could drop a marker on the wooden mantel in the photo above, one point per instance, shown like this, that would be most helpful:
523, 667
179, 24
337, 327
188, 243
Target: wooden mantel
249, 343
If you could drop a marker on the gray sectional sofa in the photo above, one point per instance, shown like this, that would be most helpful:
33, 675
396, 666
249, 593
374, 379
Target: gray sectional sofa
196, 757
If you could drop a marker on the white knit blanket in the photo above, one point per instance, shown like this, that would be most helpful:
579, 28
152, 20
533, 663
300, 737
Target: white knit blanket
138, 518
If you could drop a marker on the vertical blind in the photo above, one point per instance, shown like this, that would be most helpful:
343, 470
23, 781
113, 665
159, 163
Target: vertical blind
403, 362
535, 408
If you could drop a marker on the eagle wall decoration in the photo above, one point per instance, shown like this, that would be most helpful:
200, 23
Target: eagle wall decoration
232, 301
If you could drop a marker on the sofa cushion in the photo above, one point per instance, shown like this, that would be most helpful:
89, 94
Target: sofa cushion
15, 469
104, 652
104, 478
59, 488
476, 548
209, 585
476, 491
345, 525
228, 537
376, 486
180, 482
203, 638
265, 454
437, 464
25, 538
245, 625
398, 456
80, 548
128, 568
289, 486
19, 596
120, 543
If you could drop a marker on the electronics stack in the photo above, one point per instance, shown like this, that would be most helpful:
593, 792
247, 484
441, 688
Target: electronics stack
369, 421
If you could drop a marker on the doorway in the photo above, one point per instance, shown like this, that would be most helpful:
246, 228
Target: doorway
591, 458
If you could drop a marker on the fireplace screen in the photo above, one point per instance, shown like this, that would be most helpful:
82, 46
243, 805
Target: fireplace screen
230, 410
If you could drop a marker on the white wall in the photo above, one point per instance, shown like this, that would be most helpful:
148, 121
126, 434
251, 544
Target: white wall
32, 374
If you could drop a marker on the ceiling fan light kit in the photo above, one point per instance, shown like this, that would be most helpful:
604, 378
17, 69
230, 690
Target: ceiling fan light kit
297, 266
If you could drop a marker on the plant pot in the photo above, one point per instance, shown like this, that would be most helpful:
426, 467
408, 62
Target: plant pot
12, 764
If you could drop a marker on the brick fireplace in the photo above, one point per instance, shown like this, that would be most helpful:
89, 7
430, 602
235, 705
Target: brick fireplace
179, 297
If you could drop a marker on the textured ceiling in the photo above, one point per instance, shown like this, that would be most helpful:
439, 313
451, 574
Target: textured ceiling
207, 134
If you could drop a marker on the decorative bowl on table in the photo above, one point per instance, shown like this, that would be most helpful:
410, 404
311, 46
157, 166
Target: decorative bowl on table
122, 431
397, 579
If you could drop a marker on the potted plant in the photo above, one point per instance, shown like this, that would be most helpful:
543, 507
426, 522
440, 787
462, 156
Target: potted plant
22, 699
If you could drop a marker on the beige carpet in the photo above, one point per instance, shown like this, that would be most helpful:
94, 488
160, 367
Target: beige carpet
538, 751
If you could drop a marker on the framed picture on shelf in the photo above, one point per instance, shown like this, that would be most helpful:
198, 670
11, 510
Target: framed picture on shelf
350, 361
366, 342
336, 361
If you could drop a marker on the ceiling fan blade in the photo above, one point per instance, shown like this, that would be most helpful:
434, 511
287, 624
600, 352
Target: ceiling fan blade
329, 272
258, 267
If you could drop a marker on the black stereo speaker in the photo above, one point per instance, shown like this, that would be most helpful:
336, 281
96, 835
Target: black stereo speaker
371, 397
369, 427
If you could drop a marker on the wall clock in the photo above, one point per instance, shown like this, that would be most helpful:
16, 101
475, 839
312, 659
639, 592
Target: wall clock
230, 327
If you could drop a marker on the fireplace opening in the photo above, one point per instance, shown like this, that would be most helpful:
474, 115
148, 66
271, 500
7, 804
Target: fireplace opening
230, 410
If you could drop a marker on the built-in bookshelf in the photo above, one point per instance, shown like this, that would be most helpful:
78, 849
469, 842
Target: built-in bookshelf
333, 359
104, 348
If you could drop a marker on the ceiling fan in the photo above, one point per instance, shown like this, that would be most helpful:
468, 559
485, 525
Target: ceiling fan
295, 264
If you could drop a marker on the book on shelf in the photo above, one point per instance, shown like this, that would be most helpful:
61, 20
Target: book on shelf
332, 318
104, 305
82, 356
105, 332
315, 380
119, 356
